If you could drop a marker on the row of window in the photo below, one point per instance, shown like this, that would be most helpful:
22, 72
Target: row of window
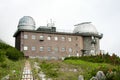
48, 38
56, 49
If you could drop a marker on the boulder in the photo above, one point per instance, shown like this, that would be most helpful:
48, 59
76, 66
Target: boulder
94, 78
100, 75
80, 77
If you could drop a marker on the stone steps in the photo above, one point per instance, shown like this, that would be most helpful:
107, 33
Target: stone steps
27, 74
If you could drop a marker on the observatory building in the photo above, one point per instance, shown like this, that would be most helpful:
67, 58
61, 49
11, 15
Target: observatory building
47, 43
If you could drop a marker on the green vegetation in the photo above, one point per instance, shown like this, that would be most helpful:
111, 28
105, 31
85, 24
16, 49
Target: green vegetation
14, 54
105, 58
51, 70
90, 69
13, 68
106, 63
11, 62
88, 66
9, 52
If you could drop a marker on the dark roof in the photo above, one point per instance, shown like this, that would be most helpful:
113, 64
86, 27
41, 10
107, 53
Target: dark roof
60, 33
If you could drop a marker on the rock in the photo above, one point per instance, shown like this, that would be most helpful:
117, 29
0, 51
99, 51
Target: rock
36, 63
63, 58
80, 77
94, 78
7, 77
42, 76
75, 70
100, 75
13, 71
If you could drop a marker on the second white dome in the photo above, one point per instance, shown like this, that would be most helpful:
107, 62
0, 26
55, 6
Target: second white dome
85, 27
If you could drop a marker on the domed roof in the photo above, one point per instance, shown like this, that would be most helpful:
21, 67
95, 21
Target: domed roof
26, 22
85, 27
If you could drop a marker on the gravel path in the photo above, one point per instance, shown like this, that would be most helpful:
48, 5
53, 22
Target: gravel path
27, 74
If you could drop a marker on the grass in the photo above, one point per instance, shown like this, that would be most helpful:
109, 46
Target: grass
85, 64
89, 68
11, 62
8, 66
64, 70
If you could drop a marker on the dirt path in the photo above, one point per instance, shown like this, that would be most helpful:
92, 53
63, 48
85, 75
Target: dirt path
27, 74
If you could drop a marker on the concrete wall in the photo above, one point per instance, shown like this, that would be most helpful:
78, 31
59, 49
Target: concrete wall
88, 46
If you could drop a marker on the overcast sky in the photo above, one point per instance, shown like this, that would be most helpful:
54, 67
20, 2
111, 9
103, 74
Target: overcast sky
104, 14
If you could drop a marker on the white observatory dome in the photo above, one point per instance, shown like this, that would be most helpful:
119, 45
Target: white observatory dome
85, 27
26, 22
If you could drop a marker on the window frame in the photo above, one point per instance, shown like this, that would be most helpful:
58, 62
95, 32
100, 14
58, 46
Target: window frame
41, 48
49, 49
70, 50
69, 39
63, 38
56, 49
41, 37
33, 37
56, 38
33, 48
63, 49
25, 36
25, 48
49, 38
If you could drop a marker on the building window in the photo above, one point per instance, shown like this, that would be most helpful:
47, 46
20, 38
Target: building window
49, 49
56, 49
25, 48
33, 48
70, 50
63, 49
48, 38
56, 38
41, 38
33, 37
25, 36
69, 39
41, 48
63, 38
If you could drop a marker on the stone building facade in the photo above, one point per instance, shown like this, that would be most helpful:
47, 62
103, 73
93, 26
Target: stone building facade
47, 43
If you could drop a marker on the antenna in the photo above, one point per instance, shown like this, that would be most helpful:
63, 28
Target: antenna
51, 21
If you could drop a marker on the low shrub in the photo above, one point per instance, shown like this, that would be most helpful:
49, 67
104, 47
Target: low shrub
14, 54
51, 70
2, 56
105, 58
